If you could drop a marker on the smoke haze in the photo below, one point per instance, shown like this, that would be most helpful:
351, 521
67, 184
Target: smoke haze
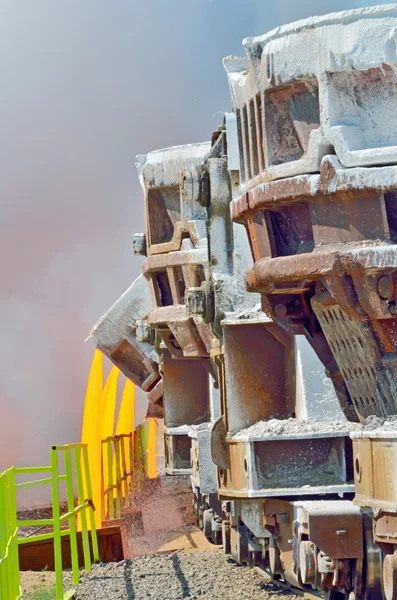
86, 86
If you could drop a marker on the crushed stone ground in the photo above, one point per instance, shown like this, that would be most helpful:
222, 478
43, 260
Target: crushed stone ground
40, 585
199, 575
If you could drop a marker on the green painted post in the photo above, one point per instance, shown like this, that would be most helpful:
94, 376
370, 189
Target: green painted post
103, 492
131, 451
80, 493
145, 444
118, 478
94, 538
4, 516
136, 460
110, 479
56, 516
12, 495
72, 521
139, 454
7, 531
124, 471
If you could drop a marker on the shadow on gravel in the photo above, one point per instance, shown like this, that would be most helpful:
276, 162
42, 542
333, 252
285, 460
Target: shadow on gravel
179, 573
232, 562
271, 588
191, 540
265, 586
129, 585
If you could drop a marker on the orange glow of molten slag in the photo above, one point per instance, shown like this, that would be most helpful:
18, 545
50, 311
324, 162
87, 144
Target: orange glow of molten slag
91, 432
99, 424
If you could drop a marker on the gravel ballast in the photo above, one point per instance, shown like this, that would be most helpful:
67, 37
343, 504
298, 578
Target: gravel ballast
199, 575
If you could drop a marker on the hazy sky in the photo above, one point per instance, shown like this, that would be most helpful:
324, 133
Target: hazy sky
85, 86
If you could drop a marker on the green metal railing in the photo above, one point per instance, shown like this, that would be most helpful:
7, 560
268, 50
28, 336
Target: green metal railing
10, 587
124, 468
117, 472
9, 565
140, 456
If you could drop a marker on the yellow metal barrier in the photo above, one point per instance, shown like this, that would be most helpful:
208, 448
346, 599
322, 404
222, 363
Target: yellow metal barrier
10, 588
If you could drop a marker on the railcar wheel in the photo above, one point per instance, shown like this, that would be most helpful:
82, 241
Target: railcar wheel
372, 576
390, 575
207, 523
368, 576
335, 595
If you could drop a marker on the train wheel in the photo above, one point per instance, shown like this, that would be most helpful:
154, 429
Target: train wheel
207, 523
372, 572
335, 595
367, 577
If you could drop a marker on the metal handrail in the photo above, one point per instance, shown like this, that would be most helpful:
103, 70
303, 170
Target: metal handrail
10, 588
